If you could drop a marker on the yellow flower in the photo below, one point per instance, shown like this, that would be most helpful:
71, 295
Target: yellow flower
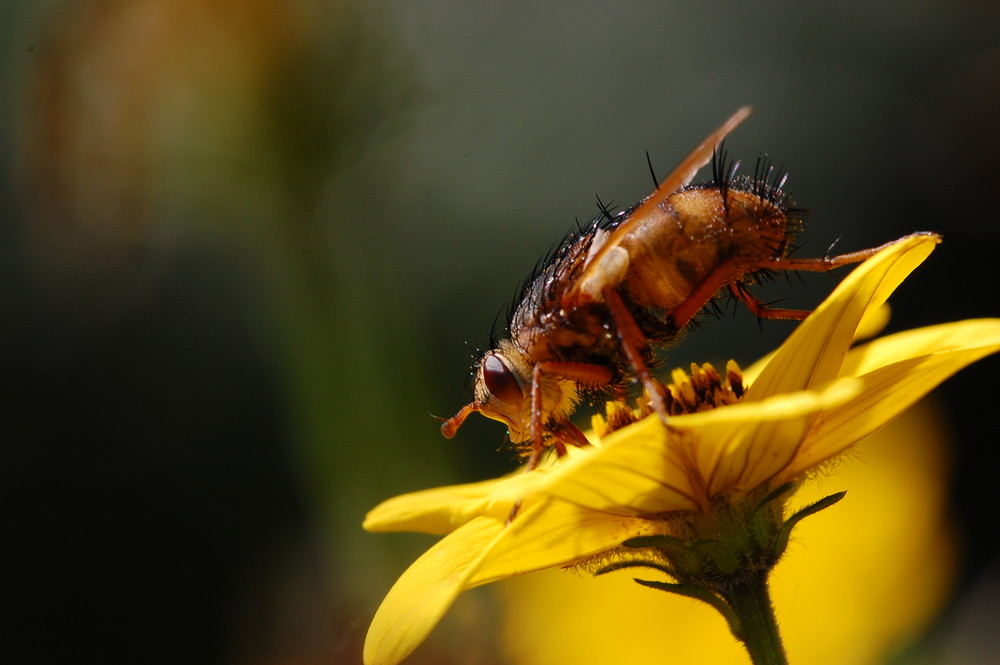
854, 586
806, 403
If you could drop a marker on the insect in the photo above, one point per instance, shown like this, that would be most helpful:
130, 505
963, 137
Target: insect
589, 320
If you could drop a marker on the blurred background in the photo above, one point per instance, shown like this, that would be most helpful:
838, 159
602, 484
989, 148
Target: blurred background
249, 245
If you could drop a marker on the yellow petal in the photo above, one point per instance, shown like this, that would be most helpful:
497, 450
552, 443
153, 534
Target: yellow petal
970, 334
427, 589
439, 510
632, 472
740, 456
546, 535
812, 355
874, 322
557, 533
888, 392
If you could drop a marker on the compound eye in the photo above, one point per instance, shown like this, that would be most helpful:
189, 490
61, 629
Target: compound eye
500, 381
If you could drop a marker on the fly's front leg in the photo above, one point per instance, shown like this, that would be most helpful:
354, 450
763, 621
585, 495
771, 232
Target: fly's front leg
567, 431
562, 430
537, 431
537, 438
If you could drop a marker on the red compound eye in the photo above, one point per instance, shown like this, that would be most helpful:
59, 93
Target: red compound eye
500, 381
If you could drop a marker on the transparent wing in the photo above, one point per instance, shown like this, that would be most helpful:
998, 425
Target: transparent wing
680, 177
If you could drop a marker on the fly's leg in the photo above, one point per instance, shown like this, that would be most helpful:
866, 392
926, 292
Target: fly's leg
724, 274
762, 310
567, 431
823, 264
828, 263
587, 374
562, 430
729, 274
537, 431
633, 341
537, 438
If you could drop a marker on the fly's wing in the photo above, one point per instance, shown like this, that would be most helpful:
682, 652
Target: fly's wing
681, 177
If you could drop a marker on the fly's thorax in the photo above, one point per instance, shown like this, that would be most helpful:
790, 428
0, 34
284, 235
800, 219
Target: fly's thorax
584, 333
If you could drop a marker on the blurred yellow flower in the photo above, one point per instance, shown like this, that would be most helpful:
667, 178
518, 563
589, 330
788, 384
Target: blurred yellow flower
806, 403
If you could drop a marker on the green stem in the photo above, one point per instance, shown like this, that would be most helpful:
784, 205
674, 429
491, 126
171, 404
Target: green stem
758, 631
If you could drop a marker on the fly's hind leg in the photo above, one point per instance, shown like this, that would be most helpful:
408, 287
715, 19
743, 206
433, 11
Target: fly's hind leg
763, 310
828, 263
822, 264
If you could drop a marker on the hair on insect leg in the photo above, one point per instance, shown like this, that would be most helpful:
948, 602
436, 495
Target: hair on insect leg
765, 310
829, 250
714, 305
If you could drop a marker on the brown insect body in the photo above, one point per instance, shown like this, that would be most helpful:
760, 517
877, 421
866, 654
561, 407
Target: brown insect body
589, 320
693, 234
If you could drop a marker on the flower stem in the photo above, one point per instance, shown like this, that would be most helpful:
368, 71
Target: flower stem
751, 603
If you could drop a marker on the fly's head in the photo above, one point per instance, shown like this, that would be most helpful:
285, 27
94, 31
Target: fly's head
502, 392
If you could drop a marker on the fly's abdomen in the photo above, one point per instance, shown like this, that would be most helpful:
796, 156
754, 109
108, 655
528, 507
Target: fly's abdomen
702, 238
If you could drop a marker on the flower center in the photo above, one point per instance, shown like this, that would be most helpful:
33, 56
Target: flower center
703, 389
